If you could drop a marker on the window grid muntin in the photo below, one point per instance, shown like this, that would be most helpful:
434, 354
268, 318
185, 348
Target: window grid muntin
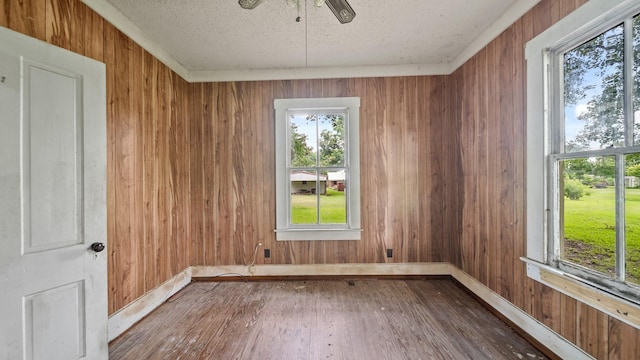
556, 137
318, 111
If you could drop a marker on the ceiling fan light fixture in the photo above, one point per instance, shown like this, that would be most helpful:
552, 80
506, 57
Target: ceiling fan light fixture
249, 4
342, 10
296, 3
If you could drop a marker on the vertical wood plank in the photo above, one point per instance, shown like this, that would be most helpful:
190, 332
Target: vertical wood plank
93, 29
4, 16
436, 161
196, 173
113, 266
379, 150
162, 190
568, 310
593, 333
135, 161
64, 24
26, 17
519, 157
411, 157
149, 165
208, 166
124, 174
624, 341
425, 171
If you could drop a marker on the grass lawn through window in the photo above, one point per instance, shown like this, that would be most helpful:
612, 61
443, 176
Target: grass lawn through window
333, 208
589, 231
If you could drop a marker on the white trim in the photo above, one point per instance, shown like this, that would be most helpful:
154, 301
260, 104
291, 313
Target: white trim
122, 23
123, 319
585, 292
587, 21
537, 150
321, 72
352, 229
317, 234
537, 330
515, 12
324, 270
142, 306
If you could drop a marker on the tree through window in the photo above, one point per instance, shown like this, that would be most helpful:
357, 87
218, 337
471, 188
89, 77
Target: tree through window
596, 157
317, 147
317, 169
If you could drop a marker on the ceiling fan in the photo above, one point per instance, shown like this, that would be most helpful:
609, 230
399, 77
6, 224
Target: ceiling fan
340, 8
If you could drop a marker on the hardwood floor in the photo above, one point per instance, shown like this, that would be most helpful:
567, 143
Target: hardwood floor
322, 319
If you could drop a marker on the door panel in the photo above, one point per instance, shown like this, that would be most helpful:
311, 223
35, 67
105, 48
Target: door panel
55, 334
52, 202
52, 148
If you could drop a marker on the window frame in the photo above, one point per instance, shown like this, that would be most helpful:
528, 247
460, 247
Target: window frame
544, 107
351, 230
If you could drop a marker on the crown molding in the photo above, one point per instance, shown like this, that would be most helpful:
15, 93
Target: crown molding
515, 12
122, 23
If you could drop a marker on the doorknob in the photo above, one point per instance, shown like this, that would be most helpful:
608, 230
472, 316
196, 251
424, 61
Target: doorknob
97, 246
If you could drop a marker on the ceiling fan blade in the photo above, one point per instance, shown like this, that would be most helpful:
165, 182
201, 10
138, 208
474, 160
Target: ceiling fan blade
342, 10
249, 4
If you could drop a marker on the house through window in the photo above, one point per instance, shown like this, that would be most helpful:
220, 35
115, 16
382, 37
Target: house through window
317, 169
588, 210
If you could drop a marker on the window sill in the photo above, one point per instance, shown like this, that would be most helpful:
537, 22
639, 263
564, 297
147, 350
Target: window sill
581, 290
317, 234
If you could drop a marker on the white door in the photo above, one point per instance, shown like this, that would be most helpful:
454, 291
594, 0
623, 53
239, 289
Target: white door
53, 288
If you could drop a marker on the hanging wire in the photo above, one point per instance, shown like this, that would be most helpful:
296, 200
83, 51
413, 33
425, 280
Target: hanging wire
306, 36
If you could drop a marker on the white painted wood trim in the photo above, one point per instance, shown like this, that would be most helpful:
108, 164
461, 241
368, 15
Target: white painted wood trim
324, 270
122, 23
585, 292
321, 72
549, 338
515, 12
124, 318
585, 22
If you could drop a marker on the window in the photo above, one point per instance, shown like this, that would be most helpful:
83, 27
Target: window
317, 169
583, 147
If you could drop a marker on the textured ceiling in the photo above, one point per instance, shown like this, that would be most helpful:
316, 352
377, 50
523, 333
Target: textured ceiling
217, 36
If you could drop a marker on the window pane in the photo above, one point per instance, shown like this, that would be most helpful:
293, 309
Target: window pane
304, 198
593, 93
636, 80
304, 140
333, 204
331, 142
588, 235
632, 218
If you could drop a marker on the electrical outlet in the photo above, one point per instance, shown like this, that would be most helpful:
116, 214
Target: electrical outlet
267, 253
389, 253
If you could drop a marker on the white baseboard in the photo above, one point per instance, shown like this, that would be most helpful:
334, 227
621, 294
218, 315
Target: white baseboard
324, 270
537, 330
132, 313
123, 319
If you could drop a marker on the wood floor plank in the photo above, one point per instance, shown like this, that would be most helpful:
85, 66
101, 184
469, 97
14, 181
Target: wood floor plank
328, 319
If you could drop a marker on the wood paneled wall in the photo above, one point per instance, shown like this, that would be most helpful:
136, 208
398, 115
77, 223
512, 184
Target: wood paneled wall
491, 111
190, 168
402, 170
148, 206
